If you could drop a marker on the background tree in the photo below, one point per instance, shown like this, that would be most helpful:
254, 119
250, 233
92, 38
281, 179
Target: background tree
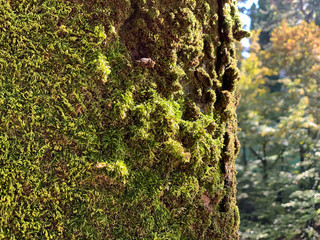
118, 119
269, 14
279, 117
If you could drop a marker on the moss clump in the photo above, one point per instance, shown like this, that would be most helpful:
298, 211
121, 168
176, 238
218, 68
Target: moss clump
94, 147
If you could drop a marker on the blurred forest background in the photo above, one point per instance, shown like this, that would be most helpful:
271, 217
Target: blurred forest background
279, 117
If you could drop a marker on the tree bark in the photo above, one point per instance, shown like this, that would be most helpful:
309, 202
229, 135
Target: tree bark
118, 119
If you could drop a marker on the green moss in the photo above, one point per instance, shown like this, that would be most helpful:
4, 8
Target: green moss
94, 147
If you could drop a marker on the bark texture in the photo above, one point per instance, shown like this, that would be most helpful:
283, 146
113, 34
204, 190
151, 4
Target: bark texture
117, 119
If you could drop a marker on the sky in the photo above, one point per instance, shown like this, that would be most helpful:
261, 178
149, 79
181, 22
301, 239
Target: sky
244, 18
246, 23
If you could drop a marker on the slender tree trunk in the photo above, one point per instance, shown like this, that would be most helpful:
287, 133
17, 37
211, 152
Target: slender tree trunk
265, 163
301, 153
118, 119
264, 160
244, 156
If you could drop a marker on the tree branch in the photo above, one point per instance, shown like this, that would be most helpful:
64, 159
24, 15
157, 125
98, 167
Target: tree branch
301, 8
255, 153
278, 158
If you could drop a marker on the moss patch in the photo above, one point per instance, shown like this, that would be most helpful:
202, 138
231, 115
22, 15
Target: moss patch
93, 146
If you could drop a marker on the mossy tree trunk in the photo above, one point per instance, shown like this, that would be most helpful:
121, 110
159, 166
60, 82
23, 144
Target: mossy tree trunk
117, 119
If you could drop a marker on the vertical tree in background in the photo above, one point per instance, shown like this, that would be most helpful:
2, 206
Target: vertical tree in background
279, 116
118, 119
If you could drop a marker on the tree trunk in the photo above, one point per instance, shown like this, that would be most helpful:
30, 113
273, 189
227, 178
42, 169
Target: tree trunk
301, 154
244, 156
118, 119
